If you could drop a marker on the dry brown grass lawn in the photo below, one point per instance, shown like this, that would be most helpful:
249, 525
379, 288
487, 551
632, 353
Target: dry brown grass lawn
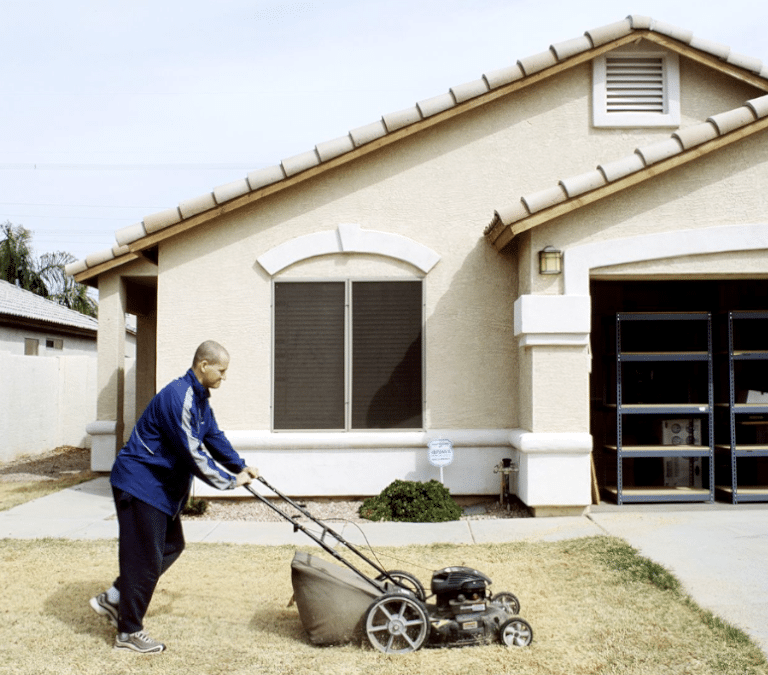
32, 477
222, 609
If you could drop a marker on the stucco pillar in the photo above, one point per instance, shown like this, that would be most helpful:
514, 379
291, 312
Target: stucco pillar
553, 442
107, 431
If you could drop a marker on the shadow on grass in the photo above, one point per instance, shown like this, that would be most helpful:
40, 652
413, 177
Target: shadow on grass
284, 623
69, 604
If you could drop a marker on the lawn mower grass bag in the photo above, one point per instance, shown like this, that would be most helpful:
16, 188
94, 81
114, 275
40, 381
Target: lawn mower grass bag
332, 600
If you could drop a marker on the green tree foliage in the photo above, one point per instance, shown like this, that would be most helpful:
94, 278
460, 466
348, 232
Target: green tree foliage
44, 276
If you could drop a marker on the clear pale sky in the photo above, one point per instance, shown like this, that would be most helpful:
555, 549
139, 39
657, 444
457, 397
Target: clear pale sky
115, 109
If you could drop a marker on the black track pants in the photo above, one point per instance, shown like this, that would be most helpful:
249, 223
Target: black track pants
150, 542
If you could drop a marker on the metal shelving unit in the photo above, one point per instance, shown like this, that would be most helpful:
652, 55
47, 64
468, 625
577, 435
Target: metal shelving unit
743, 413
652, 414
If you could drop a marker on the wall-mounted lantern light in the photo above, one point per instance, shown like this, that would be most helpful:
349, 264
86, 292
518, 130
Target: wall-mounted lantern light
550, 261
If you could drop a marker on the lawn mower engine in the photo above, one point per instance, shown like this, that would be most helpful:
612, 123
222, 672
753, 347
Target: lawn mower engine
465, 611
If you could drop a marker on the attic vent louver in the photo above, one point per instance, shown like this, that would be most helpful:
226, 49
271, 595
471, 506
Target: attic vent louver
634, 84
637, 89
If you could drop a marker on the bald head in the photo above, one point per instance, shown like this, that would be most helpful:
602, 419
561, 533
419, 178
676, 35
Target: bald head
210, 351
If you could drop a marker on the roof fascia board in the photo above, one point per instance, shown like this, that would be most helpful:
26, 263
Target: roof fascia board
510, 232
92, 273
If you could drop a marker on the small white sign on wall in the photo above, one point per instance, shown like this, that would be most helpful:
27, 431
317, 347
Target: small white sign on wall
440, 453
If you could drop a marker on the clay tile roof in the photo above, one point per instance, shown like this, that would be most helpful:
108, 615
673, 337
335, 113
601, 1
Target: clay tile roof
390, 125
21, 304
510, 220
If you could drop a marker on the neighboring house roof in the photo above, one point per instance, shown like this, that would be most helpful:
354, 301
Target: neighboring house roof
645, 162
143, 236
20, 306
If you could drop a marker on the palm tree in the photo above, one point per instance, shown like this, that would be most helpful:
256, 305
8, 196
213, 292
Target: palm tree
45, 277
62, 288
17, 263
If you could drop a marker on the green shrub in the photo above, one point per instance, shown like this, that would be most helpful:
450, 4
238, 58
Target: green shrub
195, 507
412, 502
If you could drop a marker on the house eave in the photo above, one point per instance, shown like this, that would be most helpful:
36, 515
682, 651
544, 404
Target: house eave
312, 164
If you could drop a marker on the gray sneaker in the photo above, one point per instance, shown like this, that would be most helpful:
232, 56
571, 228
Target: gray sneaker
103, 607
138, 642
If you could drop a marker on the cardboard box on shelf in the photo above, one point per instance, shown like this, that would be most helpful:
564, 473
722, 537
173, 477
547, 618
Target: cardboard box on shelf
683, 472
752, 396
682, 431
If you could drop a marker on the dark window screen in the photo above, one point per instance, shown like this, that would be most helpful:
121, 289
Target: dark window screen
386, 362
386, 355
309, 355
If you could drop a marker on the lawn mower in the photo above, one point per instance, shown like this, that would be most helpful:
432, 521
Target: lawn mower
392, 610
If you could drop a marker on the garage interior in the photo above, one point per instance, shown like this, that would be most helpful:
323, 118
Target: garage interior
653, 475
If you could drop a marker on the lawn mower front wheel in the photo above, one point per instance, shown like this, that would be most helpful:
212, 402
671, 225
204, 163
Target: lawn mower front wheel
397, 624
516, 632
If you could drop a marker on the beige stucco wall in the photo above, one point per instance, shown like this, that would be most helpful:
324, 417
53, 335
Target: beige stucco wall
439, 188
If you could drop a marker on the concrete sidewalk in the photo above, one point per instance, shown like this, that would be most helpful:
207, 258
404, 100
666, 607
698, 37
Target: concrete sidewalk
718, 551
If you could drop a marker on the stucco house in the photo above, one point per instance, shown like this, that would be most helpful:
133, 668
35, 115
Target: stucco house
466, 269
33, 326
48, 358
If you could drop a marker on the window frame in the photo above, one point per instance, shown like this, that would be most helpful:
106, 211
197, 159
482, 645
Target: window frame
601, 118
348, 282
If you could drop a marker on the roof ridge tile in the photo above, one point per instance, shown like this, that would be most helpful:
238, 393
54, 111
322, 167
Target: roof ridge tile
759, 106
334, 148
191, 207
436, 104
538, 62
161, 220
402, 118
237, 188
468, 90
569, 48
129, 234
750, 63
301, 162
732, 119
99, 257
690, 137
262, 177
369, 132
613, 31
584, 182
716, 49
512, 213
538, 201
660, 150
619, 168
502, 76
640, 22
680, 34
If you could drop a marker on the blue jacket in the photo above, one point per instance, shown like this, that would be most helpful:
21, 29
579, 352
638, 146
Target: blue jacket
175, 439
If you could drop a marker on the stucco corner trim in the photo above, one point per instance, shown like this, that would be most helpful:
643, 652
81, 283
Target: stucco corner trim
348, 238
529, 442
554, 319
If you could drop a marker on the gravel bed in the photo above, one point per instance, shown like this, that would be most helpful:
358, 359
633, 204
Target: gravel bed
339, 510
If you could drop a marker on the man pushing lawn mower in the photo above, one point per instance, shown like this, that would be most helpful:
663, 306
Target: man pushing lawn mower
175, 439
